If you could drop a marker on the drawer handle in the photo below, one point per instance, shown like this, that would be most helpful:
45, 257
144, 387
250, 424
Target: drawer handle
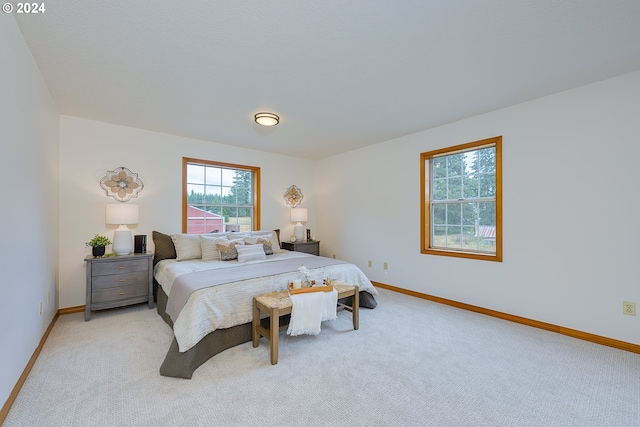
121, 280
121, 267
120, 293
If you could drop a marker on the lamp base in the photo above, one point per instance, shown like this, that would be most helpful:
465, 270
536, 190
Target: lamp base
298, 232
122, 242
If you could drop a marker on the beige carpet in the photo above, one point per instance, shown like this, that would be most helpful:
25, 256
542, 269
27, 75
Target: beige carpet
412, 363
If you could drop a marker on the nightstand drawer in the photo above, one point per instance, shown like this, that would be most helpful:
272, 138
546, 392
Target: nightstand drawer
119, 266
312, 248
117, 280
307, 249
119, 293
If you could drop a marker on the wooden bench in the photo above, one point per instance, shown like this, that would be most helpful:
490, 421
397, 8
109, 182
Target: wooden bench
277, 304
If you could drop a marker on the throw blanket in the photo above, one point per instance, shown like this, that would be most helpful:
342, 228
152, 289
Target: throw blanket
186, 284
309, 310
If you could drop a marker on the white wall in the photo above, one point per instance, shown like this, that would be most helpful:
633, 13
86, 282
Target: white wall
571, 227
89, 149
29, 135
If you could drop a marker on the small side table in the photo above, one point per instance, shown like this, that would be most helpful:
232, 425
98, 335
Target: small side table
118, 281
312, 248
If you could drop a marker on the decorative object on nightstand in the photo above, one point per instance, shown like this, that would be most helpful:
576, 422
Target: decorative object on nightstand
98, 244
140, 243
312, 248
122, 214
118, 281
293, 196
298, 215
121, 184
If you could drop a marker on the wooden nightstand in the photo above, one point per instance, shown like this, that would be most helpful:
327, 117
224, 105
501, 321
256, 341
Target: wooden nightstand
312, 248
118, 281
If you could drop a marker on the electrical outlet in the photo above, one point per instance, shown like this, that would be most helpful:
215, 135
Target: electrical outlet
629, 308
370, 263
40, 308
48, 297
385, 266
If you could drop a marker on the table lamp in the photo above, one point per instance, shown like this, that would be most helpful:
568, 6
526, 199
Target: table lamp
298, 215
122, 214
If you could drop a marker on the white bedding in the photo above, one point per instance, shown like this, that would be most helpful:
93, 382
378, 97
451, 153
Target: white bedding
228, 305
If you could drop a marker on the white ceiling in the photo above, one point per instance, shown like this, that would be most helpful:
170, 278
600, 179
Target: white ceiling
341, 74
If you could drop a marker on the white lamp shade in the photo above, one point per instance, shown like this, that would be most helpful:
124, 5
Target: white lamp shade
122, 213
298, 214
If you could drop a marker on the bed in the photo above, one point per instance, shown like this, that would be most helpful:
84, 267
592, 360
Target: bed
204, 286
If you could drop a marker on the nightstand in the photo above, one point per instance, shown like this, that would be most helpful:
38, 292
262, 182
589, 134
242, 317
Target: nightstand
312, 248
118, 281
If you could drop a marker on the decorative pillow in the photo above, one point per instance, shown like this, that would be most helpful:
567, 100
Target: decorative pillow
250, 252
187, 246
210, 251
228, 251
271, 236
264, 240
163, 247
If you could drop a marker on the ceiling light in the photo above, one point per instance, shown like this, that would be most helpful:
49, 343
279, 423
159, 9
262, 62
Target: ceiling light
267, 119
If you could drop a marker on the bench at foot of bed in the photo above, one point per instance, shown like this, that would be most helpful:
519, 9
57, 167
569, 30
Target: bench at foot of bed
277, 304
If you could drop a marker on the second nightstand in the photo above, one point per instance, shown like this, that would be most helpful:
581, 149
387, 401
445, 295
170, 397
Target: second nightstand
312, 248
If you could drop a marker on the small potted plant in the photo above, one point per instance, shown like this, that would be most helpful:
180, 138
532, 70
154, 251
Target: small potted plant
98, 244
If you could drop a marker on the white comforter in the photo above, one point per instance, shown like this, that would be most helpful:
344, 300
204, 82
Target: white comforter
228, 305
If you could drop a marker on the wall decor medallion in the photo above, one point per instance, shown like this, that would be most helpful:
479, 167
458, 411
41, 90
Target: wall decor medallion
293, 196
121, 184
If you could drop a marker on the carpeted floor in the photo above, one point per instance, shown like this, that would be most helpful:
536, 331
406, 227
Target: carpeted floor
412, 363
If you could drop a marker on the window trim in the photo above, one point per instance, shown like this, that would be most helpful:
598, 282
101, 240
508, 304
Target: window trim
256, 187
425, 202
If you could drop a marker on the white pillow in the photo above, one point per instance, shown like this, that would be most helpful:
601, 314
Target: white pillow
187, 246
210, 251
250, 252
264, 240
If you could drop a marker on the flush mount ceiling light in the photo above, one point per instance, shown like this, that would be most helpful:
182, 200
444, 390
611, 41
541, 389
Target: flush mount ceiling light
267, 119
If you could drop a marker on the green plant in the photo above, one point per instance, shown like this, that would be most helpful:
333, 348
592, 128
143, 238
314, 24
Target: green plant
99, 240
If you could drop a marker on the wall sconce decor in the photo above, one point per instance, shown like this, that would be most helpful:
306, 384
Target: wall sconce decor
121, 184
293, 196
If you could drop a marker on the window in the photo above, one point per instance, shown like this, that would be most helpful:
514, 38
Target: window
461, 200
219, 197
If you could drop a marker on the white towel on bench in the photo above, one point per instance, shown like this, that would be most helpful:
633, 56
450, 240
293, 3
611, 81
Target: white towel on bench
329, 305
309, 310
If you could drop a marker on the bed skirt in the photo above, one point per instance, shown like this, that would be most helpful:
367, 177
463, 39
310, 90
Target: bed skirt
182, 365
